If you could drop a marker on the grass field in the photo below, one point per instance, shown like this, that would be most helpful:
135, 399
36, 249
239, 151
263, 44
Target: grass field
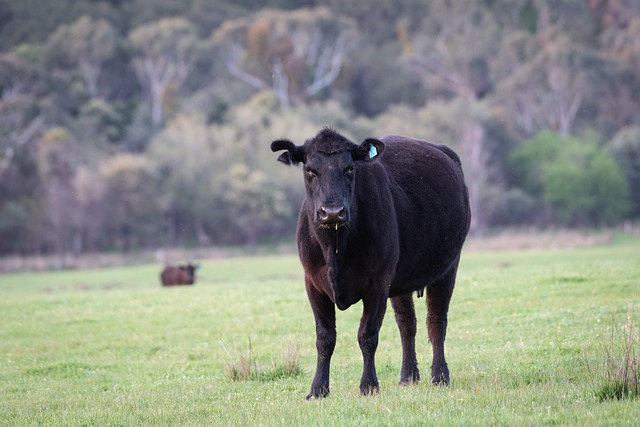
111, 347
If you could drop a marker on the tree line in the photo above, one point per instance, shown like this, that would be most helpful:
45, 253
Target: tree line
147, 123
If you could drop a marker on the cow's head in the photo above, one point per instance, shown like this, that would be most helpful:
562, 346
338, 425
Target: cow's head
330, 167
190, 271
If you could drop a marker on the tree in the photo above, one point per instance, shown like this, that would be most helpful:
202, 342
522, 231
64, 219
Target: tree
131, 202
586, 187
259, 198
296, 54
563, 87
374, 85
625, 149
578, 180
191, 166
530, 161
31, 21
451, 52
165, 53
90, 190
379, 21
101, 123
254, 203
21, 118
58, 159
86, 44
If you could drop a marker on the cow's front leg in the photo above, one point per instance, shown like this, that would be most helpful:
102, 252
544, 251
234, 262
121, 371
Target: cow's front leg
325, 316
370, 323
407, 324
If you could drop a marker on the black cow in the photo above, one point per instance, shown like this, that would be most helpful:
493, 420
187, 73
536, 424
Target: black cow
379, 220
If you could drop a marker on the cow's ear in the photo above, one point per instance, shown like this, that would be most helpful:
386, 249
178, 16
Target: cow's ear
370, 150
292, 156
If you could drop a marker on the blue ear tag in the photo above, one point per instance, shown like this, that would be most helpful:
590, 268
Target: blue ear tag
373, 151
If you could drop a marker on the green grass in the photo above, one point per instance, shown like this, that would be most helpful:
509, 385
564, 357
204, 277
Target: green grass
111, 347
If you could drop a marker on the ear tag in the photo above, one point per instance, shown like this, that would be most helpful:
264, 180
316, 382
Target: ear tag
373, 151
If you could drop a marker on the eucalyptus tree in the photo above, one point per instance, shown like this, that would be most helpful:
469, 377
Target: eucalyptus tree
453, 47
296, 54
21, 116
164, 54
86, 44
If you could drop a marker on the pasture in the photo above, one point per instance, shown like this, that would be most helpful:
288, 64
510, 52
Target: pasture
112, 347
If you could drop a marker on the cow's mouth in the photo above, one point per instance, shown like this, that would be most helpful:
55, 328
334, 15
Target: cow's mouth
331, 225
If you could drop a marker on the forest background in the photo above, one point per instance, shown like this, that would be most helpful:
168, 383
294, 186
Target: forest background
146, 123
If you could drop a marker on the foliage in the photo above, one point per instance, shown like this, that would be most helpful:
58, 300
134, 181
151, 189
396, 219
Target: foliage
625, 149
199, 89
85, 44
298, 54
585, 185
165, 53
376, 91
101, 122
131, 201
580, 181
533, 157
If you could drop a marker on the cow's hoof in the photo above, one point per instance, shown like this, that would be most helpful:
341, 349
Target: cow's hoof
410, 378
318, 394
441, 379
369, 389
440, 376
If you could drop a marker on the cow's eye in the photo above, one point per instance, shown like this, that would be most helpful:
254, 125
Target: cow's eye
350, 170
309, 173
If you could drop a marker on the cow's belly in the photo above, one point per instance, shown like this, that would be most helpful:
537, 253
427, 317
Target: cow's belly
422, 271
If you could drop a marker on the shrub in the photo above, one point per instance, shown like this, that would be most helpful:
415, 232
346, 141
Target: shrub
580, 181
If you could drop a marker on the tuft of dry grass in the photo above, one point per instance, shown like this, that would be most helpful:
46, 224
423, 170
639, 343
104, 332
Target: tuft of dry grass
291, 355
618, 376
242, 366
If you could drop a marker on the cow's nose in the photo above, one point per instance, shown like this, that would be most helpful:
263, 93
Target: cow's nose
332, 214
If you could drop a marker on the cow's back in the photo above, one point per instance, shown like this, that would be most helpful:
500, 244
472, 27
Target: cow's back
432, 209
170, 276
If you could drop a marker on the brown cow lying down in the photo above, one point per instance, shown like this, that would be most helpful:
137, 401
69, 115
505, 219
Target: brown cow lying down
179, 275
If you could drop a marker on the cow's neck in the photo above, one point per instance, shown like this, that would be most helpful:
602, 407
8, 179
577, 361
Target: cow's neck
334, 248
333, 242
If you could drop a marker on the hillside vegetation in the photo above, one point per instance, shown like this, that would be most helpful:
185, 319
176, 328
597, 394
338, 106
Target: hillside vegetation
146, 123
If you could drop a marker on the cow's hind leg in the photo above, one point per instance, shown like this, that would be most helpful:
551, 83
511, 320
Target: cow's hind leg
406, 319
438, 298
325, 317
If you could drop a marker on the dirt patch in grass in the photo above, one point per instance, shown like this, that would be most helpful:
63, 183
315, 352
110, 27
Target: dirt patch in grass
535, 239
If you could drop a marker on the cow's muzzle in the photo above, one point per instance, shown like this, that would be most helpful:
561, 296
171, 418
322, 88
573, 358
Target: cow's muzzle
332, 215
